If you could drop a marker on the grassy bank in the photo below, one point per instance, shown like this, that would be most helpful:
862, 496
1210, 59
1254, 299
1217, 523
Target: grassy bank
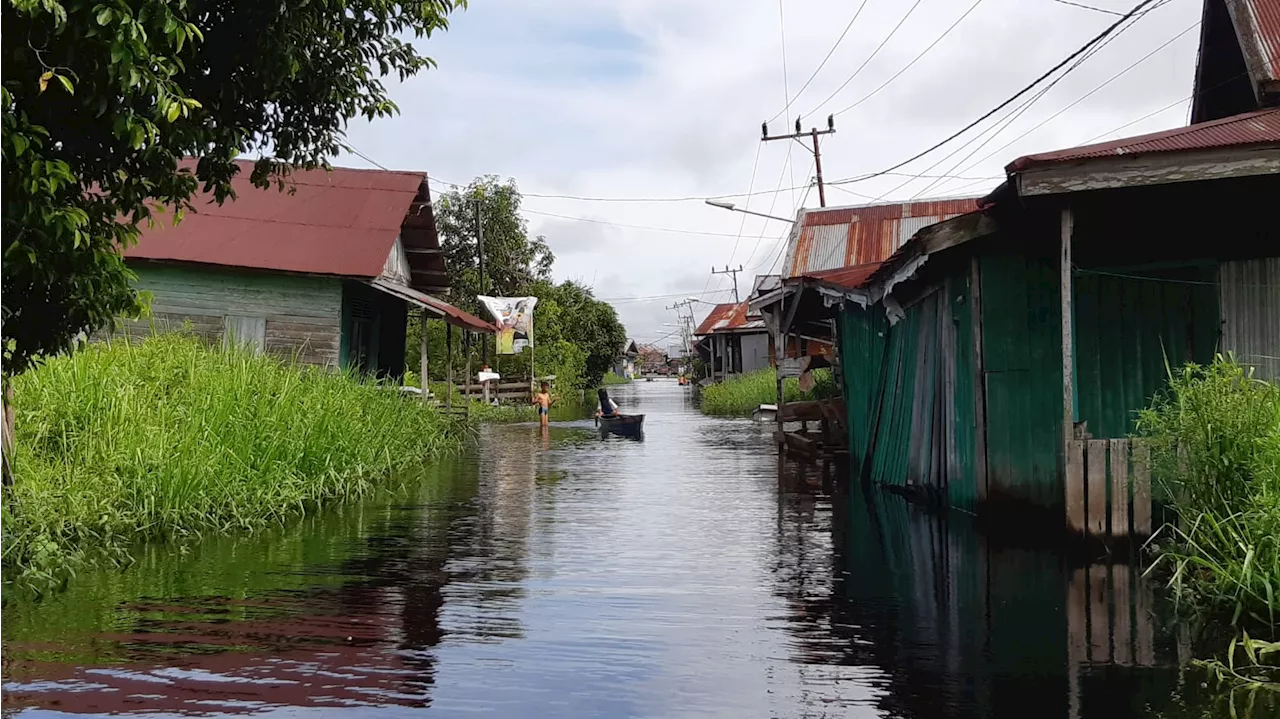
118, 444
740, 395
610, 379
1215, 450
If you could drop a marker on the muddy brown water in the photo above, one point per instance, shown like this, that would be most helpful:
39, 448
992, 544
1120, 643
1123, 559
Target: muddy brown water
560, 574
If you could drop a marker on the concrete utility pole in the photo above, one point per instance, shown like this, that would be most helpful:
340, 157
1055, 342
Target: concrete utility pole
817, 152
484, 345
734, 272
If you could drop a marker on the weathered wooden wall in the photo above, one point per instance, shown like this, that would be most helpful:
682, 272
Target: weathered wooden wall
302, 314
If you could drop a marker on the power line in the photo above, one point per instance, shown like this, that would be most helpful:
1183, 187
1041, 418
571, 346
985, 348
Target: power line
1088, 7
633, 227
924, 52
870, 57
655, 298
1000, 127
1084, 97
822, 64
1084, 48
786, 93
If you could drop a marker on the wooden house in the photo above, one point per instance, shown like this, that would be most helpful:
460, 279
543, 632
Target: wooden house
962, 382
732, 339
325, 271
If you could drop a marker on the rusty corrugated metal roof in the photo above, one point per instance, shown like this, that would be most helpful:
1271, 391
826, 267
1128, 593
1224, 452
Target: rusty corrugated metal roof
847, 277
1258, 28
341, 222
1251, 128
834, 238
729, 317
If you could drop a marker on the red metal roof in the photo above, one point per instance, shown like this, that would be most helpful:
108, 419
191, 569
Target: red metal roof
1258, 27
846, 277
729, 317
341, 222
1250, 128
835, 238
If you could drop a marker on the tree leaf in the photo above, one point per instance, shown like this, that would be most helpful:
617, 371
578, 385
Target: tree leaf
174, 110
44, 79
66, 84
104, 15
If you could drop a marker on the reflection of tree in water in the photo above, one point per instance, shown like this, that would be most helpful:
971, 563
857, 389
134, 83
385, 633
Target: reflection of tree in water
951, 624
347, 606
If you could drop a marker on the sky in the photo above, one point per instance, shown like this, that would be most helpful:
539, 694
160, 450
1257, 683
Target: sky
663, 100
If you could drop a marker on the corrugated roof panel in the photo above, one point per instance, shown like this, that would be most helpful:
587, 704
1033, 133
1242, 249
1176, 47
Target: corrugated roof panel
1251, 128
1262, 34
717, 313
342, 222
841, 237
827, 248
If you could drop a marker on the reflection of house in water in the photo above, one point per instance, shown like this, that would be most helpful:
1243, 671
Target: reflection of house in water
958, 625
362, 631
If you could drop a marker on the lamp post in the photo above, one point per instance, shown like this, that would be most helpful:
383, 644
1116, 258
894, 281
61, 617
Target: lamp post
733, 208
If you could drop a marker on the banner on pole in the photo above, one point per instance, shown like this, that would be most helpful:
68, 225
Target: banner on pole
514, 317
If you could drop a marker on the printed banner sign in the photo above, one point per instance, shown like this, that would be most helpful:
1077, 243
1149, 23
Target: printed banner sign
514, 317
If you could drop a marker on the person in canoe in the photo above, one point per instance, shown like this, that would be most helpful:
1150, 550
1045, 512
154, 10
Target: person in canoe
608, 408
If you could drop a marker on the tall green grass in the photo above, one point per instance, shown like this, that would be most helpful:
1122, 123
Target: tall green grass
1215, 451
740, 395
610, 379
120, 443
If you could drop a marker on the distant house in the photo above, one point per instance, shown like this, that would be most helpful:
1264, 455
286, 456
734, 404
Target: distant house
653, 360
732, 340
325, 271
625, 364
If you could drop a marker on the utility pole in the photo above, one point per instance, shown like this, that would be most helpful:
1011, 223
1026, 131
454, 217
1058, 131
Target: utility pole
734, 272
484, 344
812, 134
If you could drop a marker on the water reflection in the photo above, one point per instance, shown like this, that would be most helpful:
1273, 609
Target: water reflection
554, 574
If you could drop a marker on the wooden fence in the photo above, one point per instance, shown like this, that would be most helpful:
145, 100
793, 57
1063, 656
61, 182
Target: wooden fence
1108, 488
504, 391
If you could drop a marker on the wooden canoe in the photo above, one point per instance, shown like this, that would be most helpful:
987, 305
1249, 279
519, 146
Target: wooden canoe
623, 424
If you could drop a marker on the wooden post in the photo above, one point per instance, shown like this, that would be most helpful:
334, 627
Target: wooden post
1075, 486
1119, 488
466, 380
448, 365
1095, 451
1141, 489
1099, 615
424, 365
1068, 391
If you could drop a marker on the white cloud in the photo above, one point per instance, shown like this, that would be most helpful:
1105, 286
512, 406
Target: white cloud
665, 98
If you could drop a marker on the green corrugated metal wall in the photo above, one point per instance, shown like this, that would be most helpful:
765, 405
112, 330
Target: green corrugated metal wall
1125, 327
909, 393
1022, 361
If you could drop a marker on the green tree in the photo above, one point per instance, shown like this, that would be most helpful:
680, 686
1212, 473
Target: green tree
513, 259
102, 100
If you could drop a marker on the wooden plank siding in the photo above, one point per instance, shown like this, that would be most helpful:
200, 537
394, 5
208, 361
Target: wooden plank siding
302, 313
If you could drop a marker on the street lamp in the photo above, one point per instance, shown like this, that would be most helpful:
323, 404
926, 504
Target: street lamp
731, 207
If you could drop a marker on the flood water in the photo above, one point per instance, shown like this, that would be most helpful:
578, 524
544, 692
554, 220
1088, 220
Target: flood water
566, 575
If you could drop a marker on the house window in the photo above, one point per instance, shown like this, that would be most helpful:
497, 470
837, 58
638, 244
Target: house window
246, 331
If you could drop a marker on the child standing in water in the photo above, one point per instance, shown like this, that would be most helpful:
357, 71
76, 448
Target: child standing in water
544, 401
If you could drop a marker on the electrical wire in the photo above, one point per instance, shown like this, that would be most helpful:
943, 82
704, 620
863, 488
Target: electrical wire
633, 227
924, 52
822, 64
870, 57
786, 93
1088, 7
1082, 98
1084, 48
